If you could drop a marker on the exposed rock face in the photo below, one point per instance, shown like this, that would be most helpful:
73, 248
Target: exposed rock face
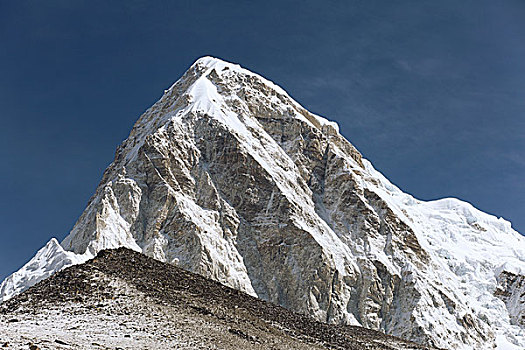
229, 177
511, 289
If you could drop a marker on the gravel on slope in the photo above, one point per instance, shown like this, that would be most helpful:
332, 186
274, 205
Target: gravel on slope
123, 299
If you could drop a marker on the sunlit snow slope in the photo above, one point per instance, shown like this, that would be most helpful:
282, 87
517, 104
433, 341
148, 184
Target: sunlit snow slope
227, 176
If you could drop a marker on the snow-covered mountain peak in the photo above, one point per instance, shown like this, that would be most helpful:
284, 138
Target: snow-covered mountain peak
240, 80
226, 175
206, 64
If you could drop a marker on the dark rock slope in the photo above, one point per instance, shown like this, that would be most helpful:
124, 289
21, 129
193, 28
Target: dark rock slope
123, 299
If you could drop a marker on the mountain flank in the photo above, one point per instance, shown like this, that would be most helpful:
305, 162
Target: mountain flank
122, 299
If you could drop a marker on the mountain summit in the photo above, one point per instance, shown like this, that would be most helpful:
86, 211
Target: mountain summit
227, 176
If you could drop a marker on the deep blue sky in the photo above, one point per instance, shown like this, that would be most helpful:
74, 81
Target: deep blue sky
432, 92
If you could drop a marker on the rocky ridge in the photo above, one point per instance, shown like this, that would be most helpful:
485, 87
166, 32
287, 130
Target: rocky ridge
227, 176
126, 300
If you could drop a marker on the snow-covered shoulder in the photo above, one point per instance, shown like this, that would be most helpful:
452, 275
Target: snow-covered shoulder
48, 260
469, 248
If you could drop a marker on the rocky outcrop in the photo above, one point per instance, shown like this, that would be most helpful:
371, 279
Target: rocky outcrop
229, 177
511, 289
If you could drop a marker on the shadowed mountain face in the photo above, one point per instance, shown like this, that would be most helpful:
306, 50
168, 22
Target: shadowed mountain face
125, 299
227, 176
